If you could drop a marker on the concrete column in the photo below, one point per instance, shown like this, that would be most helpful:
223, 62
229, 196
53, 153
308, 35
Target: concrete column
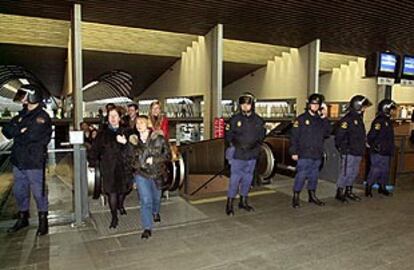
213, 97
313, 66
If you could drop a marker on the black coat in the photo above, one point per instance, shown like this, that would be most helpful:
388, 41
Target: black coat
155, 147
113, 160
246, 133
350, 135
308, 134
381, 136
29, 150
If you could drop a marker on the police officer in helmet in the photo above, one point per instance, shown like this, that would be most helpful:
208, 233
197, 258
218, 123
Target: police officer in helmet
306, 147
350, 140
381, 147
244, 132
31, 132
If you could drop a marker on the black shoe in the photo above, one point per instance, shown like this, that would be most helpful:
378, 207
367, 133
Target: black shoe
156, 217
114, 221
340, 196
295, 200
22, 221
349, 194
122, 211
146, 234
244, 204
314, 199
368, 190
43, 224
383, 190
229, 207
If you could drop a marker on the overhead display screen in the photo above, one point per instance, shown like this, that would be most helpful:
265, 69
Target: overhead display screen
388, 62
408, 66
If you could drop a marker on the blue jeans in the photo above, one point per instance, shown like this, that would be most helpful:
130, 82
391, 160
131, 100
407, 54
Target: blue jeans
307, 169
150, 199
26, 181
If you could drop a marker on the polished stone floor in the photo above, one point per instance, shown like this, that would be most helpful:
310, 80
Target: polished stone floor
375, 233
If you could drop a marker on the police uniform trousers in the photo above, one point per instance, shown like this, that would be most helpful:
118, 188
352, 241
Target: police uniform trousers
241, 176
306, 168
349, 170
26, 181
380, 169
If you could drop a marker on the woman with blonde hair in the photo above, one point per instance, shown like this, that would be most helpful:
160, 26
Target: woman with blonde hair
147, 155
157, 120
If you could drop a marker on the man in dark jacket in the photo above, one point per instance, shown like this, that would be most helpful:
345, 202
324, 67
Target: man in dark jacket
350, 140
306, 147
381, 145
31, 132
245, 132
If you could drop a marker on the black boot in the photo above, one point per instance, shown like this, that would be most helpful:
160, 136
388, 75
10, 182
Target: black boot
22, 221
122, 211
383, 190
156, 217
314, 199
114, 221
43, 224
368, 190
146, 234
295, 200
229, 207
244, 204
349, 194
340, 196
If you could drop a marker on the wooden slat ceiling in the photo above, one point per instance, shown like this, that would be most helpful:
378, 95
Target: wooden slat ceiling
350, 27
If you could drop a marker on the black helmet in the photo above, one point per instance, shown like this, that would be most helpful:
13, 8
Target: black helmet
315, 99
32, 93
358, 102
386, 105
247, 98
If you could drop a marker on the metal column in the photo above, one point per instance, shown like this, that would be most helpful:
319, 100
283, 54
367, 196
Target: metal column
79, 155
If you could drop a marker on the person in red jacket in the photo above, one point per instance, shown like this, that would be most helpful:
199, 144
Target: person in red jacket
158, 121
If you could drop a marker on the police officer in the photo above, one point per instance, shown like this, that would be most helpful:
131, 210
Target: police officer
245, 132
381, 145
350, 140
306, 147
31, 131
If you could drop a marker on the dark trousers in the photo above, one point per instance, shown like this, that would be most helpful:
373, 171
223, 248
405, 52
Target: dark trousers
349, 170
306, 168
380, 169
26, 181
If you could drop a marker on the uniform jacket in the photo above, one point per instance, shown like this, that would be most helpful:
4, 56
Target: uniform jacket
307, 136
113, 160
245, 133
157, 148
29, 150
381, 136
350, 135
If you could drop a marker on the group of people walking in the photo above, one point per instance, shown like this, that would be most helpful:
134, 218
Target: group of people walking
128, 150
134, 148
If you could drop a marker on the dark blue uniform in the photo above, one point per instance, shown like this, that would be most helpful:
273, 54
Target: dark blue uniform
381, 142
29, 153
245, 133
350, 140
307, 138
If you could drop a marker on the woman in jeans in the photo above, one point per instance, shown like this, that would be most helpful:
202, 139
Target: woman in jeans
149, 152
